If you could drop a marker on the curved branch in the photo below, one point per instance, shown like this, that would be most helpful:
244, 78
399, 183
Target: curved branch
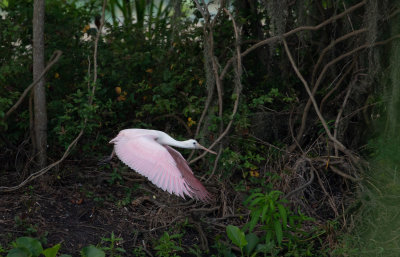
332, 44
303, 186
312, 99
321, 105
54, 58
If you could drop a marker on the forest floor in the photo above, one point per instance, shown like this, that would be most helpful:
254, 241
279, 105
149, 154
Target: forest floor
80, 206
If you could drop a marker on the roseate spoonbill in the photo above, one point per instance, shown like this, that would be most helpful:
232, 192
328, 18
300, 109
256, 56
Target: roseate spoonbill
149, 153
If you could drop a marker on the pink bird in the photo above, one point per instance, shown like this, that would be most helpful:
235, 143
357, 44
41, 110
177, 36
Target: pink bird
149, 153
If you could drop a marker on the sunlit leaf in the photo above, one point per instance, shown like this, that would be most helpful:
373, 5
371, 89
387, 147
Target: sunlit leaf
51, 252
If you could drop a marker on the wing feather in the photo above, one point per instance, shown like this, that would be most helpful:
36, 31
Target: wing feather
155, 161
192, 185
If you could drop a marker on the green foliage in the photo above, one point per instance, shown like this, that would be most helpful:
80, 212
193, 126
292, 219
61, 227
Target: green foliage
166, 246
92, 251
281, 229
236, 236
112, 248
31, 247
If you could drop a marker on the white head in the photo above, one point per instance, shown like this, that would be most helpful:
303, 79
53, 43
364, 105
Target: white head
193, 144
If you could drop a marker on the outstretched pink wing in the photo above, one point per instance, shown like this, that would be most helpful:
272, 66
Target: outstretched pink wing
197, 190
162, 165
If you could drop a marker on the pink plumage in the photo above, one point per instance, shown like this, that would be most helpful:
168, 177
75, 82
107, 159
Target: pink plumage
148, 153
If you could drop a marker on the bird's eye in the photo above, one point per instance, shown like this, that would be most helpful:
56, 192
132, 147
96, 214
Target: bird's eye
194, 143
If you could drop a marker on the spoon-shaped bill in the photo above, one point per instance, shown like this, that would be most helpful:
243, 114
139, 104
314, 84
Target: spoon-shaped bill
199, 146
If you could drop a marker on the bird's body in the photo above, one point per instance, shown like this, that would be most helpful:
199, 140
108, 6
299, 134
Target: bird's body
149, 153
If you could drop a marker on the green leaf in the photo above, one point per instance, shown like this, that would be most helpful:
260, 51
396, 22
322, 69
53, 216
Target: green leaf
92, 251
278, 231
252, 241
65, 255
51, 252
255, 216
18, 252
283, 214
32, 244
256, 201
236, 236
4, 4
264, 212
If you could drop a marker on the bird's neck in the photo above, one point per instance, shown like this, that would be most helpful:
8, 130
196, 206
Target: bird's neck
167, 140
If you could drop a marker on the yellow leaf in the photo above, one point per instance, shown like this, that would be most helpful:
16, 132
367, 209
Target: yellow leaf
56, 75
118, 90
254, 173
190, 122
149, 70
86, 28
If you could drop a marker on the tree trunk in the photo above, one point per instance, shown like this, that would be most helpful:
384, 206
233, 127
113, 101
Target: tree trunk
40, 112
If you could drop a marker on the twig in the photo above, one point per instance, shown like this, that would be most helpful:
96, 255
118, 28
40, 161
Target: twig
145, 249
321, 105
303, 186
330, 199
54, 58
96, 43
339, 115
342, 174
215, 164
332, 44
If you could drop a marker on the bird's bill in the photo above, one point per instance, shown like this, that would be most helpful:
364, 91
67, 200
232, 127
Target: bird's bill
205, 149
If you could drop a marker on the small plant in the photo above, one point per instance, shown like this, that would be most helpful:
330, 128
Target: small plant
139, 252
166, 245
112, 249
32, 247
115, 177
281, 229
269, 210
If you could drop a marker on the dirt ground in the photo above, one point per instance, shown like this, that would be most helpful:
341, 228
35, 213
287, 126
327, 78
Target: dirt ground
78, 206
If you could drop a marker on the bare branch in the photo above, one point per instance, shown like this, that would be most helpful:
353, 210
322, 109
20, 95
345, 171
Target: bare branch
339, 115
332, 44
54, 58
321, 118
